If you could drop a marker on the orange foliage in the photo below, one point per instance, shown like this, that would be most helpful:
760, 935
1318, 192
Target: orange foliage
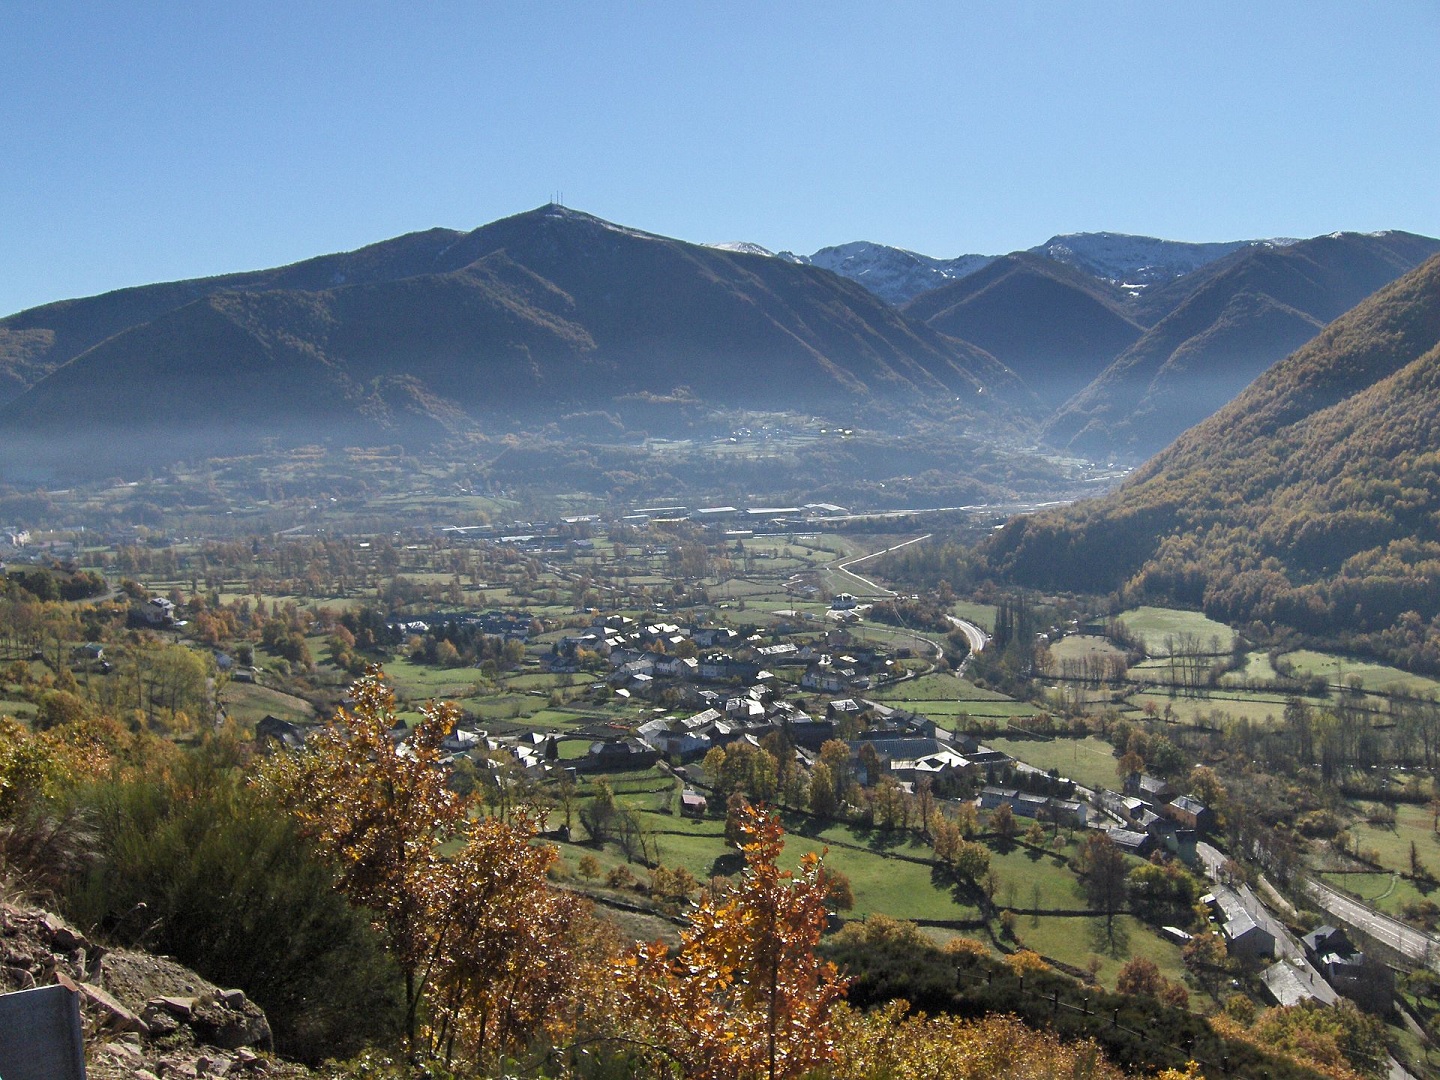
967, 949
887, 1042
498, 952
1025, 961
745, 995
1310, 1045
377, 811
508, 954
38, 764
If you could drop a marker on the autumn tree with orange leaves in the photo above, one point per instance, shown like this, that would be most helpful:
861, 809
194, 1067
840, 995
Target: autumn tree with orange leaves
479, 935
512, 953
377, 809
745, 995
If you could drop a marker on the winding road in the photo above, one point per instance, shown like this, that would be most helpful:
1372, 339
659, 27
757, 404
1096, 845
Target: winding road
976, 637
843, 566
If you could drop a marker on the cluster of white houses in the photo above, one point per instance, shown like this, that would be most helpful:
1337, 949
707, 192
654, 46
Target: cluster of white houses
906, 746
639, 653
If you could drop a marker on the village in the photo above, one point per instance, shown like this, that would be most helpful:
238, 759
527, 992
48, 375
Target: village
784, 698
635, 674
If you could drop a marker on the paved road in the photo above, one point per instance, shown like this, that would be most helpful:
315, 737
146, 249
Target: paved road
1414, 944
1286, 946
978, 638
879, 590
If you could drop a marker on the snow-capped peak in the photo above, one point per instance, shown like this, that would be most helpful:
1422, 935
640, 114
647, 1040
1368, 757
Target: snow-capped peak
1138, 261
744, 247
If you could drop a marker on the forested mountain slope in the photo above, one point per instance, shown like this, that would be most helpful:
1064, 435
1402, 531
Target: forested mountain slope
1312, 500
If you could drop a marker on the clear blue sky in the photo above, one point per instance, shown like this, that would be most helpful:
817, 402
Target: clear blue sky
149, 141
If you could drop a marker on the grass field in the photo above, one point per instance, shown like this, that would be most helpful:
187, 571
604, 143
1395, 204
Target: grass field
571, 749
888, 870
1153, 624
1339, 670
1089, 761
1081, 646
1257, 669
1190, 710
889, 637
248, 703
418, 682
1413, 824
1004, 709
937, 687
1387, 892
1030, 879
1074, 940
896, 887
982, 615
1156, 671
944, 697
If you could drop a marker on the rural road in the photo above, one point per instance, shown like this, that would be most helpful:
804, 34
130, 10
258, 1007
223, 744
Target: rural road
1412, 943
1285, 945
978, 638
879, 590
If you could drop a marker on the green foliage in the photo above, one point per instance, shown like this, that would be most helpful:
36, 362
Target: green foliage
889, 959
1163, 893
205, 870
59, 707
57, 584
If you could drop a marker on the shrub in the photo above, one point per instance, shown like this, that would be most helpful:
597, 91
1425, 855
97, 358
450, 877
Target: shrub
226, 886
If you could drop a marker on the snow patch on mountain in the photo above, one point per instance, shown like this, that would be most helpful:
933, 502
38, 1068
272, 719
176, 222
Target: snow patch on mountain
1137, 261
744, 247
897, 276
893, 274
557, 212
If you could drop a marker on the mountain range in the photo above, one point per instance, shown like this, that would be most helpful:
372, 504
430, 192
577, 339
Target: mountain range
435, 334
1099, 344
1129, 340
1057, 325
1211, 332
898, 276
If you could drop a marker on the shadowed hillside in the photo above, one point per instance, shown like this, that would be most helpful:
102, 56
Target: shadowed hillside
1218, 329
435, 335
1056, 327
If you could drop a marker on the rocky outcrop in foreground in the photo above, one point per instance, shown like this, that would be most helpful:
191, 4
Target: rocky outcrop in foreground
146, 1017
